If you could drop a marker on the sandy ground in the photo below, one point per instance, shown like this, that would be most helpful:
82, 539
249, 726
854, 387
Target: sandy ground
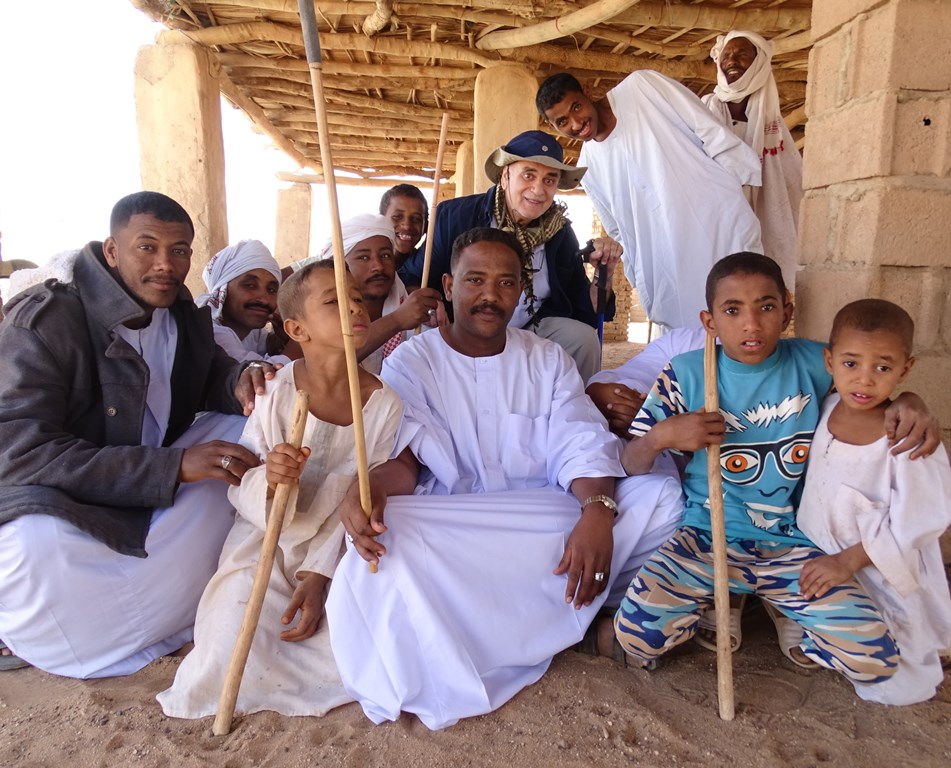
584, 712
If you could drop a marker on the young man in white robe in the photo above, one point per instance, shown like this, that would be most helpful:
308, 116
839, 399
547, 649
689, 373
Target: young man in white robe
666, 178
747, 102
516, 532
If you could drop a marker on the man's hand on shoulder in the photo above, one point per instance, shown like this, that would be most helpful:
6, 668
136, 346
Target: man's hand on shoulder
618, 404
251, 383
910, 425
416, 308
218, 460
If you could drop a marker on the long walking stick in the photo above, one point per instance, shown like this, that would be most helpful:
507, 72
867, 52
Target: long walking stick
431, 227
308, 20
721, 579
262, 575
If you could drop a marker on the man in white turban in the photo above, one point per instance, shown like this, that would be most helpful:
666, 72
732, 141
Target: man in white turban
242, 282
746, 99
369, 246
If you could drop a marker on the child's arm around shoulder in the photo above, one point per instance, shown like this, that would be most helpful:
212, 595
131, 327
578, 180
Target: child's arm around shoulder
664, 423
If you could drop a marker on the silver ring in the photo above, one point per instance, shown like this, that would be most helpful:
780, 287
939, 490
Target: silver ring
599, 576
225, 462
431, 312
257, 364
350, 538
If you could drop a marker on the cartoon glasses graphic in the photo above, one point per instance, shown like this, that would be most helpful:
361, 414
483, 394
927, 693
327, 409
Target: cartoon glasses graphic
745, 463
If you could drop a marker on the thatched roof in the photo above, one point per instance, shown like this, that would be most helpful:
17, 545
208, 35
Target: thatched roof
390, 69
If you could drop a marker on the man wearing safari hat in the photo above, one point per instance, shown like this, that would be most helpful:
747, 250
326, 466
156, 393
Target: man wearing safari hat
558, 301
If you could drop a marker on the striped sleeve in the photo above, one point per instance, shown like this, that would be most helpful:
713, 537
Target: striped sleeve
664, 400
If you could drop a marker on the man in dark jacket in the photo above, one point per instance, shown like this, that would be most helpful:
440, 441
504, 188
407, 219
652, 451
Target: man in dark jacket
112, 505
558, 303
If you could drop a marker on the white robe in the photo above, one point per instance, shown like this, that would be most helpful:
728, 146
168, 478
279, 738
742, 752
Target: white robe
297, 678
667, 183
896, 508
777, 204
465, 610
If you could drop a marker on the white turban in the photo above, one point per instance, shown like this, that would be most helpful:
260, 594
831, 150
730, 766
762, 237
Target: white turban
232, 262
765, 118
359, 228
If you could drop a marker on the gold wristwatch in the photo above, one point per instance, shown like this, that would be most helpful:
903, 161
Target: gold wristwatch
601, 499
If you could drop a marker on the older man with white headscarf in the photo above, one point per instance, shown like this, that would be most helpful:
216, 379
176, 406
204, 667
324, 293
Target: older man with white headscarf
242, 282
369, 247
746, 99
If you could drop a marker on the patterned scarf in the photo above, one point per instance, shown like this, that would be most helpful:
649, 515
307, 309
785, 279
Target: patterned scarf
543, 229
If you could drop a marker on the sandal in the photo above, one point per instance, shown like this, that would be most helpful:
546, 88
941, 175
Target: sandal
589, 645
708, 624
9, 662
790, 636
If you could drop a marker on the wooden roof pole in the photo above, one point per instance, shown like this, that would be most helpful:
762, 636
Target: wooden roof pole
595, 13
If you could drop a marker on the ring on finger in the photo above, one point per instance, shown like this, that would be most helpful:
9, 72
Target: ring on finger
599, 577
226, 461
431, 312
350, 538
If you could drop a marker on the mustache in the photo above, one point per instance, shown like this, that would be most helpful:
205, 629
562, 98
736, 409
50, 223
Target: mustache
162, 279
259, 305
486, 306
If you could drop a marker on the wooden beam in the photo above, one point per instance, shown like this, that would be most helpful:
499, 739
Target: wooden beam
317, 178
359, 69
572, 59
717, 19
567, 25
247, 32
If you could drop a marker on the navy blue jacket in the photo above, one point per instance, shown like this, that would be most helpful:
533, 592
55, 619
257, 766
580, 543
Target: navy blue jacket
570, 288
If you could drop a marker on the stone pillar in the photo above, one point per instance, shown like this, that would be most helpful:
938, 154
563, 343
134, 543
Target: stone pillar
504, 106
292, 239
181, 152
465, 168
876, 218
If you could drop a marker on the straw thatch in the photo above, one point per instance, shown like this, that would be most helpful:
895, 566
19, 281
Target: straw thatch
391, 68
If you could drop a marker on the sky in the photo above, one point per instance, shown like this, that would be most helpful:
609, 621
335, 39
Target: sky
69, 143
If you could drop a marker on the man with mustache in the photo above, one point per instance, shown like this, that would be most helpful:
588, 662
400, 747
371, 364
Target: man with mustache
665, 177
505, 529
746, 101
242, 282
113, 503
369, 244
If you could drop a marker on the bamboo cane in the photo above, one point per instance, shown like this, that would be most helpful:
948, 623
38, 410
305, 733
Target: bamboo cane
721, 583
262, 575
431, 227
308, 20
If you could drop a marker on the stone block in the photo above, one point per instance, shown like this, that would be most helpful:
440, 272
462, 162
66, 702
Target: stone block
822, 291
922, 52
851, 142
817, 231
922, 135
921, 292
293, 224
829, 15
912, 225
874, 47
826, 76
929, 379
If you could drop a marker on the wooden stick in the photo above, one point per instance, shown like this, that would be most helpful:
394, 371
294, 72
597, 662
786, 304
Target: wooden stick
262, 575
431, 228
308, 20
721, 579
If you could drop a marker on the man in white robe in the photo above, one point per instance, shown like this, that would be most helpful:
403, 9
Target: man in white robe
746, 101
666, 178
509, 545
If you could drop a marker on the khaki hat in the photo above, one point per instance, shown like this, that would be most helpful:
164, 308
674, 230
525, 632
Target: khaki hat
534, 147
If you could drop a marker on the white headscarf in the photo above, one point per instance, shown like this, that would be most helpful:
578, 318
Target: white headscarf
354, 230
765, 126
229, 263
